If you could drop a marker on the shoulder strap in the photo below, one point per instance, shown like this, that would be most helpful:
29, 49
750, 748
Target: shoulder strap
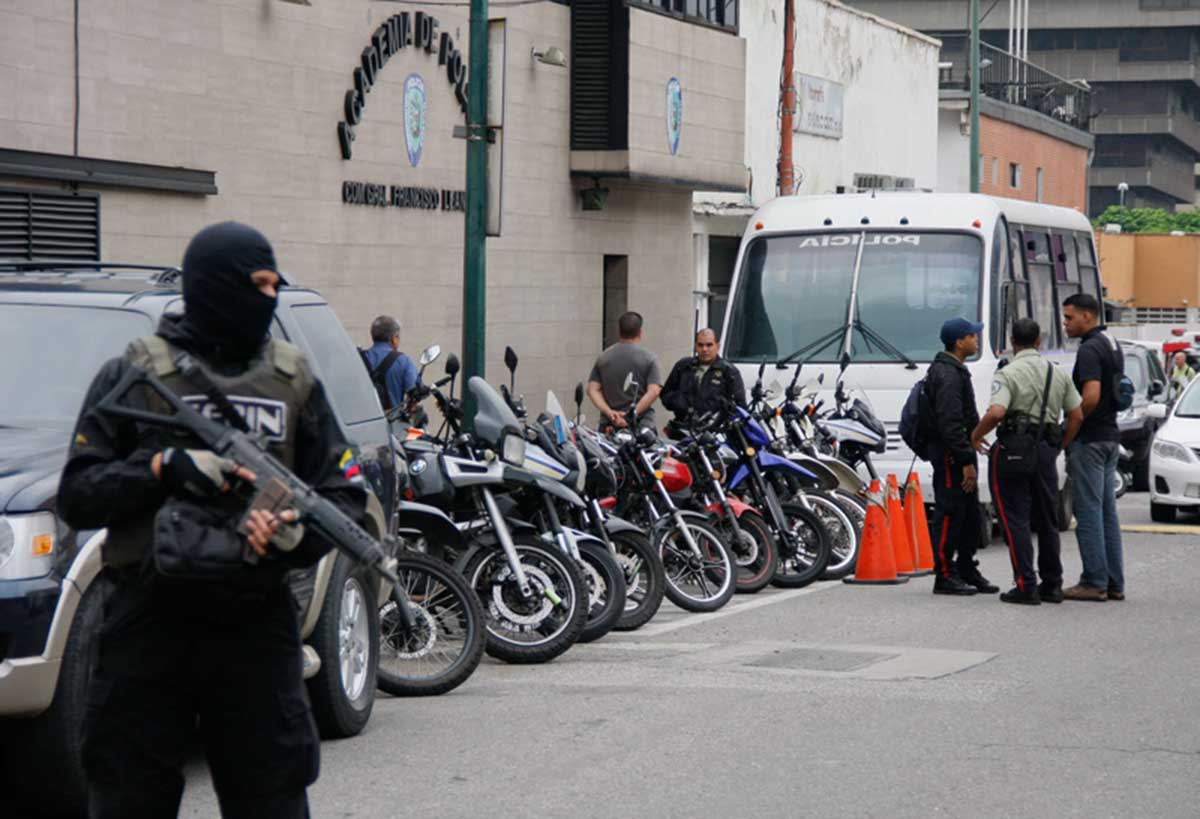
384, 365
1046, 391
154, 353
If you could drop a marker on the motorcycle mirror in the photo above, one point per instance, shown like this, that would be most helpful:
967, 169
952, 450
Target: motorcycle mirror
578, 401
510, 359
430, 354
452, 365
761, 368
630, 386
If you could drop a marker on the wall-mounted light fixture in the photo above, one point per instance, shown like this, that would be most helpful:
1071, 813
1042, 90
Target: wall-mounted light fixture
550, 56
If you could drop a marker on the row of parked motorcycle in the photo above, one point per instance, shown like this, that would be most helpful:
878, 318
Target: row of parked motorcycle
562, 533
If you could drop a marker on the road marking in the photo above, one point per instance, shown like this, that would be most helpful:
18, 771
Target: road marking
1162, 528
735, 606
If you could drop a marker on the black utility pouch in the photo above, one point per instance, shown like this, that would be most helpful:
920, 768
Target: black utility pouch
199, 542
1018, 451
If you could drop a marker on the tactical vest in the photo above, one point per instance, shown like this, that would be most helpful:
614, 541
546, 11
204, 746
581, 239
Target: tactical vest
269, 395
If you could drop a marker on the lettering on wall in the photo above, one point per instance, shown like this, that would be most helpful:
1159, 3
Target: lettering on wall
400, 31
402, 196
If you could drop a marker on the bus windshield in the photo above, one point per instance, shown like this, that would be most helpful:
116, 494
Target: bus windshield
793, 296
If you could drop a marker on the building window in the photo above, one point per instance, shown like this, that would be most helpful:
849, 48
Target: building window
49, 225
1041, 183
616, 297
1014, 175
995, 170
723, 13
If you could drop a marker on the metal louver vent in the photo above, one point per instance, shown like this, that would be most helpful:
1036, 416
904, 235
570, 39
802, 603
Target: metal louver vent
45, 225
599, 75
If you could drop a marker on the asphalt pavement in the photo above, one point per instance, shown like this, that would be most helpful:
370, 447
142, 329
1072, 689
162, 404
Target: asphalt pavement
830, 700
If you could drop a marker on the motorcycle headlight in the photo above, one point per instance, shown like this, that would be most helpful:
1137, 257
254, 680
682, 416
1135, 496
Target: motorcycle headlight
26, 546
512, 448
1171, 450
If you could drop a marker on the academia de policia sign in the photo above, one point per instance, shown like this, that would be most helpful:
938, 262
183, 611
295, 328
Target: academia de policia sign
419, 31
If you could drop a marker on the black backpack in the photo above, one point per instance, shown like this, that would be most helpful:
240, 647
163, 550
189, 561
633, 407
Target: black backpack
378, 375
1123, 389
916, 421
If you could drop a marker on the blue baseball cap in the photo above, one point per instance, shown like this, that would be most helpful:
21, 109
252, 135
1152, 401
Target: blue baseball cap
956, 328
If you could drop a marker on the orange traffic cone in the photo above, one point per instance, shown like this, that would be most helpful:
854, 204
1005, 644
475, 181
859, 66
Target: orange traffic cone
906, 559
876, 560
917, 524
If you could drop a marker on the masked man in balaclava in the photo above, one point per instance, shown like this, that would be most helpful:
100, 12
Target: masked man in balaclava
178, 656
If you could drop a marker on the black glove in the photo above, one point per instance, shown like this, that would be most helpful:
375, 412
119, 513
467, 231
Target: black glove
197, 472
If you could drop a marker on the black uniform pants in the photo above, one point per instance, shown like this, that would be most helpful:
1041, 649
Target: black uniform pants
1028, 505
169, 668
954, 526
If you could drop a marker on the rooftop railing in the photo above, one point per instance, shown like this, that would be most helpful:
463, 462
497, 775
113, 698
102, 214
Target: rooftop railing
1005, 77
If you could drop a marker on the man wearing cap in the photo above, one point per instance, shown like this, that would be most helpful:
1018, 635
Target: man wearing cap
956, 519
1030, 501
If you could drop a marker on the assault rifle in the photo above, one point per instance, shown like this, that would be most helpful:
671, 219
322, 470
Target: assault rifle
270, 476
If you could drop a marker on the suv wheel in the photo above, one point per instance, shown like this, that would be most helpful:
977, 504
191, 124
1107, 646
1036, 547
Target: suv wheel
1162, 512
346, 639
56, 733
1141, 473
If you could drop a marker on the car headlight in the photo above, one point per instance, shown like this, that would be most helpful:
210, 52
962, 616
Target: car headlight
1172, 450
26, 545
512, 448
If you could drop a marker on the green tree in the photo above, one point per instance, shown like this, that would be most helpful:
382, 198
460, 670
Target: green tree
1148, 220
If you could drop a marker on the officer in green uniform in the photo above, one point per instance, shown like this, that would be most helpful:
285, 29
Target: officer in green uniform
1030, 502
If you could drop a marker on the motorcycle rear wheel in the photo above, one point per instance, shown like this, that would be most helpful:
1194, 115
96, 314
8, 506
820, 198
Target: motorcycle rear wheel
447, 644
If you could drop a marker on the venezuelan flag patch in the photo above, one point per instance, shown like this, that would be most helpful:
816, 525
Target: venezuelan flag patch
349, 467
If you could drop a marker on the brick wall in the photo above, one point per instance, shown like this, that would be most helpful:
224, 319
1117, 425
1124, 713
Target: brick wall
1064, 165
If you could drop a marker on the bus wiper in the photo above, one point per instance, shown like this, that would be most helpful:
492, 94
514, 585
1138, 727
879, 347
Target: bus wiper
810, 351
883, 344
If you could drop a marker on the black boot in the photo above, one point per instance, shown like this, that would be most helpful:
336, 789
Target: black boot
972, 577
1029, 597
1051, 594
953, 585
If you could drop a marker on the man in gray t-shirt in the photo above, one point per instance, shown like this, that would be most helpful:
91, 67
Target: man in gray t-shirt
608, 376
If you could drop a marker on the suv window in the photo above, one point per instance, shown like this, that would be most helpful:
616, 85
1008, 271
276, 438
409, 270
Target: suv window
1135, 368
45, 383
337, 363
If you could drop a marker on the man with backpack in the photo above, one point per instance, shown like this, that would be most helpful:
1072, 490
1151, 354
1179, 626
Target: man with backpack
1092, 458
956, 521
392, 372
1028, 398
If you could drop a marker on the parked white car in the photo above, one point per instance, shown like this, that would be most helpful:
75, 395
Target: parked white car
1175, 456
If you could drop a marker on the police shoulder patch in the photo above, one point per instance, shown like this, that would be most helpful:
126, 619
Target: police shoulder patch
997, 385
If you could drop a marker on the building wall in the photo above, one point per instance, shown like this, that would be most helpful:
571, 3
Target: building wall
889, 75
254, 91
954, 151
1167, 271
952, 14
1064, 164
1118, 253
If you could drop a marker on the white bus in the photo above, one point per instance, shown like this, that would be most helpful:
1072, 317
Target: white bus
919, 259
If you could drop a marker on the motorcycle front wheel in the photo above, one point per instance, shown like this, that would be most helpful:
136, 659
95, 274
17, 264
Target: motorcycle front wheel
644, 579
753, 549
533, 629
445, 646
703, 582
843, 531
606, 590
804, 561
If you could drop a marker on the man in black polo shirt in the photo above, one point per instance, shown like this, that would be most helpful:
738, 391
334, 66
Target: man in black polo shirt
1092, 456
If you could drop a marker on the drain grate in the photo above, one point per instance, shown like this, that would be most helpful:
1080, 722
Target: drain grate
819, 659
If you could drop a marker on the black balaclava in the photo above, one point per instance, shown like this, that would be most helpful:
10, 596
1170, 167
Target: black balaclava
225, 316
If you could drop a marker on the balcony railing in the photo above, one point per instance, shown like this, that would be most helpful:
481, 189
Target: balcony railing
1010, 79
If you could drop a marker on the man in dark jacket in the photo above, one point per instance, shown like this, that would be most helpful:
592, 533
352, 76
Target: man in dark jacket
956, 520
219, 656
703, 382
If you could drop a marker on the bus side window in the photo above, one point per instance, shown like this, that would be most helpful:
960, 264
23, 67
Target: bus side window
1040, 270
1089, 278
1001, 273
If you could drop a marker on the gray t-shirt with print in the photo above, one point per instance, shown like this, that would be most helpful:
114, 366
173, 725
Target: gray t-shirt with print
618, 361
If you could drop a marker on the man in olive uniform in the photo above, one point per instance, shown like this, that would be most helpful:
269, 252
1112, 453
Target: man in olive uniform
703, 382
1030, 503
221, 657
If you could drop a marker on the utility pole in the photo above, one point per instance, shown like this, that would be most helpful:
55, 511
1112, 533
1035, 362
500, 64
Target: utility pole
974, 96
474, 329
786, 181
